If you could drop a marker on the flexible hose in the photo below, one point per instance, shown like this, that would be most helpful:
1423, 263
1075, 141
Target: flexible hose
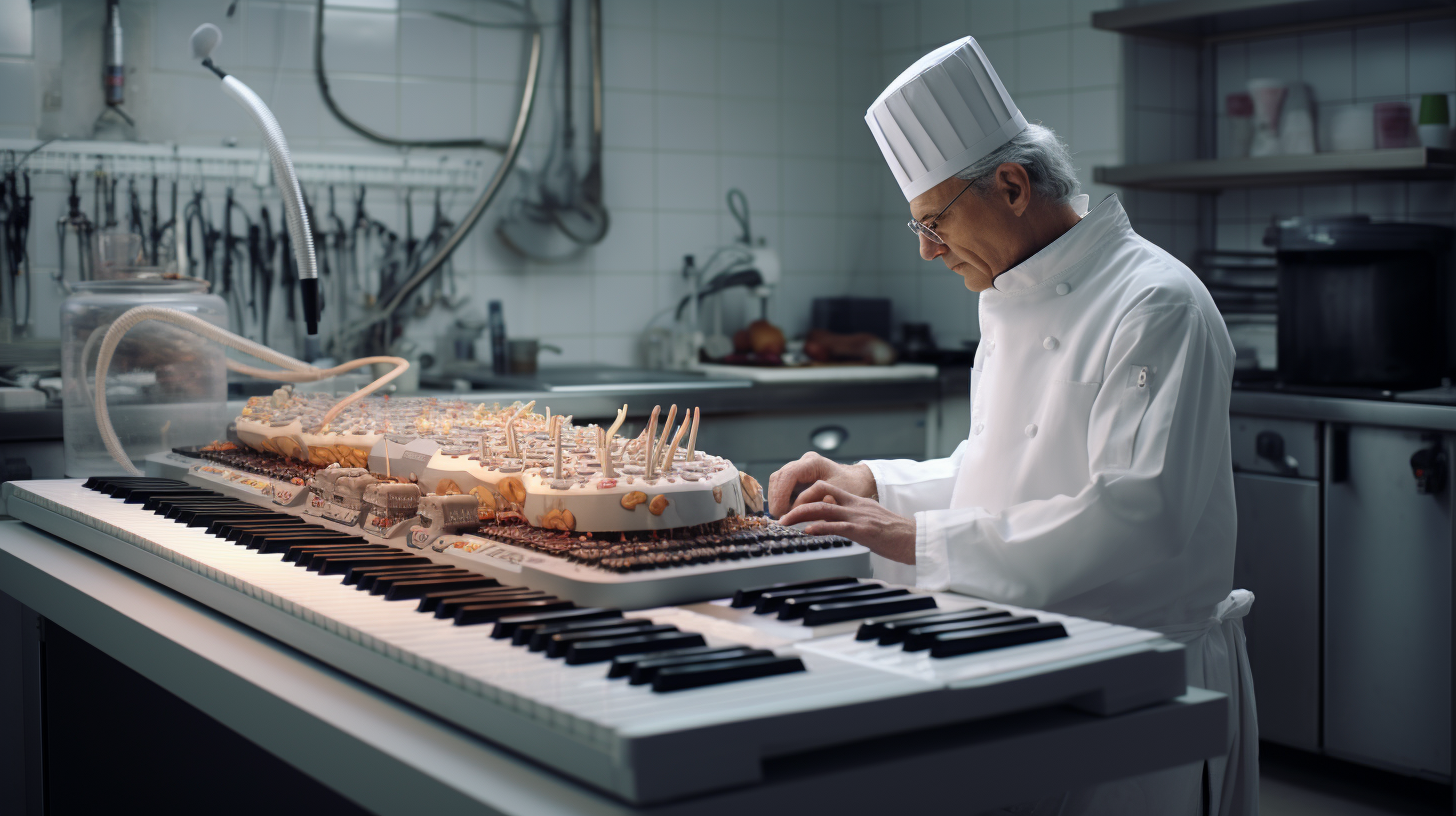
292, 370
298, 230
294, 208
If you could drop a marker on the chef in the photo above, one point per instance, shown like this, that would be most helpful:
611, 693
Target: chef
1097, 478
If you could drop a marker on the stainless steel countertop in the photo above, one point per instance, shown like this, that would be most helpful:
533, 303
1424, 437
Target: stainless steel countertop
1352, 411
602, 403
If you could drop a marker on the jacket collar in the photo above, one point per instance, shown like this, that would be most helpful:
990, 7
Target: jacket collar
1069, 248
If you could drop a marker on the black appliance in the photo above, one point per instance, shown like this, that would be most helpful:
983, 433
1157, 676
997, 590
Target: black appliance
1360, 303
852, 315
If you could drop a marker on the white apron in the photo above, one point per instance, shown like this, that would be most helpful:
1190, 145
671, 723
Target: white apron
1097, 478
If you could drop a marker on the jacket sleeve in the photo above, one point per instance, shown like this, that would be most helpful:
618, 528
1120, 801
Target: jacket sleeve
907, 487
1155, 438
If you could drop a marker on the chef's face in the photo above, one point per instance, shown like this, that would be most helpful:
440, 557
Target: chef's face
980, 230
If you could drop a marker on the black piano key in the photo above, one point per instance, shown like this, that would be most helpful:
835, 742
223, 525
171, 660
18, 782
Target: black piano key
492, 612
140, 495
302, 551
334, 564
207, 517
411, 588
645, 670
154, 502
303, 556
826, 613
962, 643
379, 581
120, 490
895, 632
280, 541
622, 665
508, 627
595, 651
99, 483
364, 577
793, 608
111, 487
431, 601
559, 643
538, 638
748, 597
230, 531
298, 548
769, 600
698, 675
922, 638
872, 629
475, 596
174, 510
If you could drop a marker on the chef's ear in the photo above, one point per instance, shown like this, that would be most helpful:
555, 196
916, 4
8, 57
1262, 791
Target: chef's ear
1013, 186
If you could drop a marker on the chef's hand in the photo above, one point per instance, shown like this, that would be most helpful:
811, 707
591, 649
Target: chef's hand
784, 484
835, 511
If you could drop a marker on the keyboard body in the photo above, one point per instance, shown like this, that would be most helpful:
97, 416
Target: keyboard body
584, 584
641, 746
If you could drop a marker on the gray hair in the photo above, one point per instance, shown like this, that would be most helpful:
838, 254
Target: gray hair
1047, 163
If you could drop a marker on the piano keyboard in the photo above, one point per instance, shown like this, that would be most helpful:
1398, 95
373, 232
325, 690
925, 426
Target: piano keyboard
649, 705
584, 583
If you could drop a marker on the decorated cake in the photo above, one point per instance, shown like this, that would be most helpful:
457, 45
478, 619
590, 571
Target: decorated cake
519, 465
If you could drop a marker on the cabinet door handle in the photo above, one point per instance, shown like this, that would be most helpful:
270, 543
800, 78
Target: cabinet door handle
1339, 454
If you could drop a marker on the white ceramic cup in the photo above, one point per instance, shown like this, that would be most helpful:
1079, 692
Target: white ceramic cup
1352, 127
1434, 135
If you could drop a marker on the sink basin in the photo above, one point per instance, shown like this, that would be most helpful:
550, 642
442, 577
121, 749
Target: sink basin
589, 378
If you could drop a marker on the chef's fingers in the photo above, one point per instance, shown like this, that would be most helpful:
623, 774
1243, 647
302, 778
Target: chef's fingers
782, 484
817, 511
821, 490
848, 529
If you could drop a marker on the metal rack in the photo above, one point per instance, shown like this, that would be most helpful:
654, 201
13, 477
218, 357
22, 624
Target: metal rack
422, 172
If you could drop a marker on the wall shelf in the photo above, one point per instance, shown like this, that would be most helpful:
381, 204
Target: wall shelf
1215, 20
1314, 168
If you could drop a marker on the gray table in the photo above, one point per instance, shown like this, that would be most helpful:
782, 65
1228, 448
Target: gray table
391, 758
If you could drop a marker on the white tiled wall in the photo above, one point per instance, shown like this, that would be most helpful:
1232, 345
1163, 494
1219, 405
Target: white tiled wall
1061, 73
1391, 63
701, 96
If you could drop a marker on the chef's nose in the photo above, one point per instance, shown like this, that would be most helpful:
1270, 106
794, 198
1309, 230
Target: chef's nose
930, 250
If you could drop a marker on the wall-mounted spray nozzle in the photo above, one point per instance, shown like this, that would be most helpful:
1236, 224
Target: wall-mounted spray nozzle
205, 39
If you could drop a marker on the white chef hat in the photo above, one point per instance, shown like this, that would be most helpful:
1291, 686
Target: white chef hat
945, 112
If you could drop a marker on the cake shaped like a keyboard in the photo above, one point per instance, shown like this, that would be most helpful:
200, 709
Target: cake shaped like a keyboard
517, 464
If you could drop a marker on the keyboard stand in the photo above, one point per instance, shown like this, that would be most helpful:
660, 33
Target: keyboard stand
349, 736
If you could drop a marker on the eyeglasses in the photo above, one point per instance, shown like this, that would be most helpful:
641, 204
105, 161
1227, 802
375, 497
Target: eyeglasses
924, 228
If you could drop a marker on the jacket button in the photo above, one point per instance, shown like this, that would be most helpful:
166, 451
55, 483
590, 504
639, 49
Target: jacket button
1049, 344
1030, 431
1063, 288
977, 429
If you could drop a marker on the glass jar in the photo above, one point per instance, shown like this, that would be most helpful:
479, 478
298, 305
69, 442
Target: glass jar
166, 386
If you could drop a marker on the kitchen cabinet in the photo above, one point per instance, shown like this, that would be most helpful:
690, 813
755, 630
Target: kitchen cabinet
1278, 560
1387, 605
1277, 492
760, 443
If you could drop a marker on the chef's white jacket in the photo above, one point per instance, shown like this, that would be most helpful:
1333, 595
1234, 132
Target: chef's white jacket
1097, 479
